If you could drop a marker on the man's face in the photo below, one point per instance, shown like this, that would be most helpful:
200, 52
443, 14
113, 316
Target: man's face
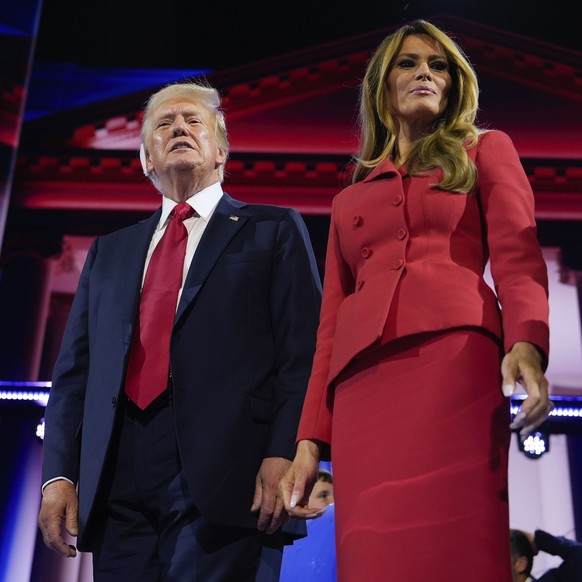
518, 567
321, 495
183, 140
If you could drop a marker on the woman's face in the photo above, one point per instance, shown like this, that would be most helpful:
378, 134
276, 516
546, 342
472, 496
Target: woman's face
419, 82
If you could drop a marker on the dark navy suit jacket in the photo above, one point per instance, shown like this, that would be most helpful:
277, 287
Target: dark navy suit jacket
570, 570
241, 354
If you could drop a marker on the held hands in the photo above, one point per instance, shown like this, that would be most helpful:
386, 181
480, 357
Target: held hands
59, 507
523, 364
296, 485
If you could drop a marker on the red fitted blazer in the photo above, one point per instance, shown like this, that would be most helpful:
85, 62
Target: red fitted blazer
404, 258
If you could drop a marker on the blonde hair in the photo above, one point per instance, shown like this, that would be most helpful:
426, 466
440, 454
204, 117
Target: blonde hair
452, 133
196, 91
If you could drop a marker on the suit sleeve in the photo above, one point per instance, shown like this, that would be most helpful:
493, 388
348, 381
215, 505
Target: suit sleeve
569, 550
338, 283
295, 304
64, 412
517, 265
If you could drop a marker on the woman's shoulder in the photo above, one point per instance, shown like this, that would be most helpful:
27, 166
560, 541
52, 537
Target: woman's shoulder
492, 136
492, 142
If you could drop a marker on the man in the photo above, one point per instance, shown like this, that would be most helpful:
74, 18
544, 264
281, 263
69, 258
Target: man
183, 488
526, 545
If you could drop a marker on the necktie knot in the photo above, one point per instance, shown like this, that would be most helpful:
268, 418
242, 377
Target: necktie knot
182, 211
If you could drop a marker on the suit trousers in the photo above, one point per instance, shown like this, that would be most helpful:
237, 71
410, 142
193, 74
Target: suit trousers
149, 528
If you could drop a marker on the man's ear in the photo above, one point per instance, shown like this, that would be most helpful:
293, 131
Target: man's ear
144, 158
221, 157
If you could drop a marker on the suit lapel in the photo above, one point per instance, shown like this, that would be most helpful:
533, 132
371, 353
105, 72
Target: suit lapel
228, 218
130, 275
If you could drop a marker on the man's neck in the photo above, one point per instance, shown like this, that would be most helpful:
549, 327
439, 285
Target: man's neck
179, 190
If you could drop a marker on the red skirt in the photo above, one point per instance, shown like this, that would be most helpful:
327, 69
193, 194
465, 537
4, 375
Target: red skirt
420, 448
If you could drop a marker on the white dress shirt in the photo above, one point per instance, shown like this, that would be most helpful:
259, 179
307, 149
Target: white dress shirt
204, 204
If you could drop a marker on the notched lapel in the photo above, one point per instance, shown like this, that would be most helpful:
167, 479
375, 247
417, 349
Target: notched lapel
225, 223
134, 254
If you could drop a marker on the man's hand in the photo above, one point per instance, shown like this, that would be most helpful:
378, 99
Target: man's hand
59, 508
531, 536
267, 499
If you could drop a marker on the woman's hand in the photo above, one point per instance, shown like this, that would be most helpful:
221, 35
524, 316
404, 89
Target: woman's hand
523, 364
297, 483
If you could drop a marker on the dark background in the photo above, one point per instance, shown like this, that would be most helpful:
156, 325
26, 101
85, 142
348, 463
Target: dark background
220, 35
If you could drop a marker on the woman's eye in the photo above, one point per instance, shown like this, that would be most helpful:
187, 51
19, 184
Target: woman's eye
405, 64
440, 66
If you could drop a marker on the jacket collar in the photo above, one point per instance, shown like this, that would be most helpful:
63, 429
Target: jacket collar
384, 169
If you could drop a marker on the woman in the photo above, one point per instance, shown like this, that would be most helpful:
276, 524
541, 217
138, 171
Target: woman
414, 355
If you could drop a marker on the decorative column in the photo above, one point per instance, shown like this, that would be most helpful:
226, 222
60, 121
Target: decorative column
571, 272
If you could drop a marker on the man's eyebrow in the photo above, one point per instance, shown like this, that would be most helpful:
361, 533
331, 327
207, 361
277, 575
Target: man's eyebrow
172, 112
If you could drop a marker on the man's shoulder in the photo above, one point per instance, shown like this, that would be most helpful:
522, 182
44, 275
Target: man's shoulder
261, 210
134, 227
136, 231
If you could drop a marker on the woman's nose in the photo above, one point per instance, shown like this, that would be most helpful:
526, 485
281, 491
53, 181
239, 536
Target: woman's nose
423, 71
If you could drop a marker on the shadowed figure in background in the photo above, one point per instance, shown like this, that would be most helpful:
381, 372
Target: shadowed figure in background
312, 559
322, 492
526, 545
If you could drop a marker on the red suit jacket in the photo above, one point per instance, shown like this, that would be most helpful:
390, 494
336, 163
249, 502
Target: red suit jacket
404, 258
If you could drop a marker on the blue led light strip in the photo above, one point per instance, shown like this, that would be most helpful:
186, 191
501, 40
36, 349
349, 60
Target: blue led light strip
25, 391
564, 406
569, 407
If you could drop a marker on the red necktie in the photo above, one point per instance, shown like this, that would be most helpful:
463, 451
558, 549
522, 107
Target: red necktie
149, 360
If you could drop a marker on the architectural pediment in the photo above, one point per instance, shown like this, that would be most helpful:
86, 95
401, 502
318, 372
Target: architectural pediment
292, 125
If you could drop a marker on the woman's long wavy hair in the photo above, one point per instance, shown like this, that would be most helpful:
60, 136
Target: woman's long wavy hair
445, 147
